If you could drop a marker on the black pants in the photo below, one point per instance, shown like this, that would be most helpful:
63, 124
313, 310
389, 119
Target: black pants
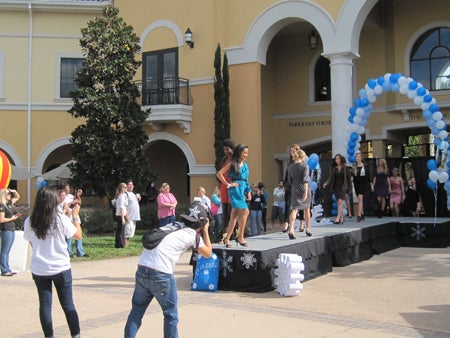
119, 233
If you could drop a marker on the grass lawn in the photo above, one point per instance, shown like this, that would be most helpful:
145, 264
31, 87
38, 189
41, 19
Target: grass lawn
102, 247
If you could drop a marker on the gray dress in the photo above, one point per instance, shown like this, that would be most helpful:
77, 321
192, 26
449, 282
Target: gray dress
298, 175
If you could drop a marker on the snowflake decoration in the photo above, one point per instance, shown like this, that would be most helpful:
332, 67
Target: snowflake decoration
226, 263
206, 272
194, 286
211, 287
418, 232
248, 260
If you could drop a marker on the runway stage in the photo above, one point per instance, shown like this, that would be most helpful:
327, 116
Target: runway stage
251, 269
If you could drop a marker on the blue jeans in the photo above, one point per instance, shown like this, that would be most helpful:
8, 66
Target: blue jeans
78, 246
166, 220
151, 283
7, 237
255, 219
63, 285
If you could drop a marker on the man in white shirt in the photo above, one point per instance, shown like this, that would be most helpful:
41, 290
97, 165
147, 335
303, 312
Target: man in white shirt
154, 276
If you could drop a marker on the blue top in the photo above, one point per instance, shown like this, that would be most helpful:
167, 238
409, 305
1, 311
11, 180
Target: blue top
238, 194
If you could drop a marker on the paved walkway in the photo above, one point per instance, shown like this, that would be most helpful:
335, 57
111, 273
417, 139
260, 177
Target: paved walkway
401, 293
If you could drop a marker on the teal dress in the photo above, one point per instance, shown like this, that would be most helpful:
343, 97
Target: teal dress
238, 194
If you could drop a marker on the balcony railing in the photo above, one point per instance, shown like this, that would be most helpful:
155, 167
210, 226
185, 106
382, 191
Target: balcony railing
164, 91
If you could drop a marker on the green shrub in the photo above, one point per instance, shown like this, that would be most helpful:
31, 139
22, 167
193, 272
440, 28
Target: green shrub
97, 221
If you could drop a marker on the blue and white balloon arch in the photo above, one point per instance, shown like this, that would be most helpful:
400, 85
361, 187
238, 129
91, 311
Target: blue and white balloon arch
360, 113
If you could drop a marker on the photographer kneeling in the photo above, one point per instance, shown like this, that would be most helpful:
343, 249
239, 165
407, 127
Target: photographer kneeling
154, 276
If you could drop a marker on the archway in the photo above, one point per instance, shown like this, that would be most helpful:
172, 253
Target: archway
360, 113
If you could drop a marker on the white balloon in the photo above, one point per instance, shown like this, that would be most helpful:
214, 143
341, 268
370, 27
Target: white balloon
39, 179
361, 130
359, 112
357, 119
369, 91
358, 146
443, 176
418, 100
433, 175
412, 94
378, 89
387, 76
403, 89
372, 98
403, 80
425, 105
440, 124
443, 134
433, 101
437, 115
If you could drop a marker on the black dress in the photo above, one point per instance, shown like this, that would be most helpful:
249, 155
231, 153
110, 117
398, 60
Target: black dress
361, 180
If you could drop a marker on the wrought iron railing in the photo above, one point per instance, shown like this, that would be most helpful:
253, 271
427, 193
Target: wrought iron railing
167, 90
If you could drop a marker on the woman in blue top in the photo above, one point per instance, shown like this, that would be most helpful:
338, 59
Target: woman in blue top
239, 192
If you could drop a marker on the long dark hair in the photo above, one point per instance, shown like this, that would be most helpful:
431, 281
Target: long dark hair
44, 212
236, 156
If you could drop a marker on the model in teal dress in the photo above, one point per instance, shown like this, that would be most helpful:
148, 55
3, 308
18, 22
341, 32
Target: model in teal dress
239, 192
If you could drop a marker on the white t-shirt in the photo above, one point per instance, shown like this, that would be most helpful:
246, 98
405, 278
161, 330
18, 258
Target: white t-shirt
168, 252
50, 256
121, 203
133, 206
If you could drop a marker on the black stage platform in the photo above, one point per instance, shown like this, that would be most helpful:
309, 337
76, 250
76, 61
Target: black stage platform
251, 269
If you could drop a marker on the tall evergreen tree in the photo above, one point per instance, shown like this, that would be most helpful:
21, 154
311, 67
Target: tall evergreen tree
222, 125
108, 145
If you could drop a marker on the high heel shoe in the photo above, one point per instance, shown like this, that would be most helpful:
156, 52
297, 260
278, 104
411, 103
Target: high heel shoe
226, 241
241, 243
291, 236
301, 229
308, 233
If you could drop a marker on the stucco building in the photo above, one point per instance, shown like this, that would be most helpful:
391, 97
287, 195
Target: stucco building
295, 68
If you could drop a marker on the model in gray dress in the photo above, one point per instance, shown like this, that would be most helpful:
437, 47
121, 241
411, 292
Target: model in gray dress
298, 176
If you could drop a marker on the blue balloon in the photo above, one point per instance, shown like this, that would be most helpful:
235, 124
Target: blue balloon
364, 102
433, 108
314, 186
357, 102
427, 98
395, 87
435, 131
427, 114
351, 158
354, 136
314, 156
380, 80
351, 144
351, 151
334, 205
394, 78
447, 186
350, 119
421, 91
352, 111
431, 164
432, 185
362, 92
412, 85
386, 86
312, 162
333, 212
371, 83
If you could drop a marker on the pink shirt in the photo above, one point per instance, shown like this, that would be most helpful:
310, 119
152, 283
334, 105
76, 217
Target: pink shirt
165, 211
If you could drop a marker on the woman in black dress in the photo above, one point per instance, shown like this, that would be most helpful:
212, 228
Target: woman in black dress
361, 182
339, 182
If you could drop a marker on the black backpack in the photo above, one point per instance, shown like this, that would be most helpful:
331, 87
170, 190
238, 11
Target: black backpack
151, 238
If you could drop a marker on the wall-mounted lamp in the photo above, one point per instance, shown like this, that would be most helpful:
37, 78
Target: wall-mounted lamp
188, 38
312, 39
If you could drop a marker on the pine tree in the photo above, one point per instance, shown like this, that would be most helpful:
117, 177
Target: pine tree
222, 125
108, 145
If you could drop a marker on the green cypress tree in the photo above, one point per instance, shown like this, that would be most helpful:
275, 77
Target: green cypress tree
222, 107
108, 145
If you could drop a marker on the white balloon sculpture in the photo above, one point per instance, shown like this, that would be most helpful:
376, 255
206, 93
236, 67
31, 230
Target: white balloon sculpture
360, 112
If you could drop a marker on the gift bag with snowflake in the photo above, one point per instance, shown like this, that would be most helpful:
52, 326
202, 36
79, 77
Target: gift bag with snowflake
206, 277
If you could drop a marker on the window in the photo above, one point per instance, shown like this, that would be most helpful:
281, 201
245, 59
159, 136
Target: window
430, 59
419, 146
322, 82
160, 77
69, 69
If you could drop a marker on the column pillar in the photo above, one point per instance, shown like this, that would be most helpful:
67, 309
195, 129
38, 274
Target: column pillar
341, 73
